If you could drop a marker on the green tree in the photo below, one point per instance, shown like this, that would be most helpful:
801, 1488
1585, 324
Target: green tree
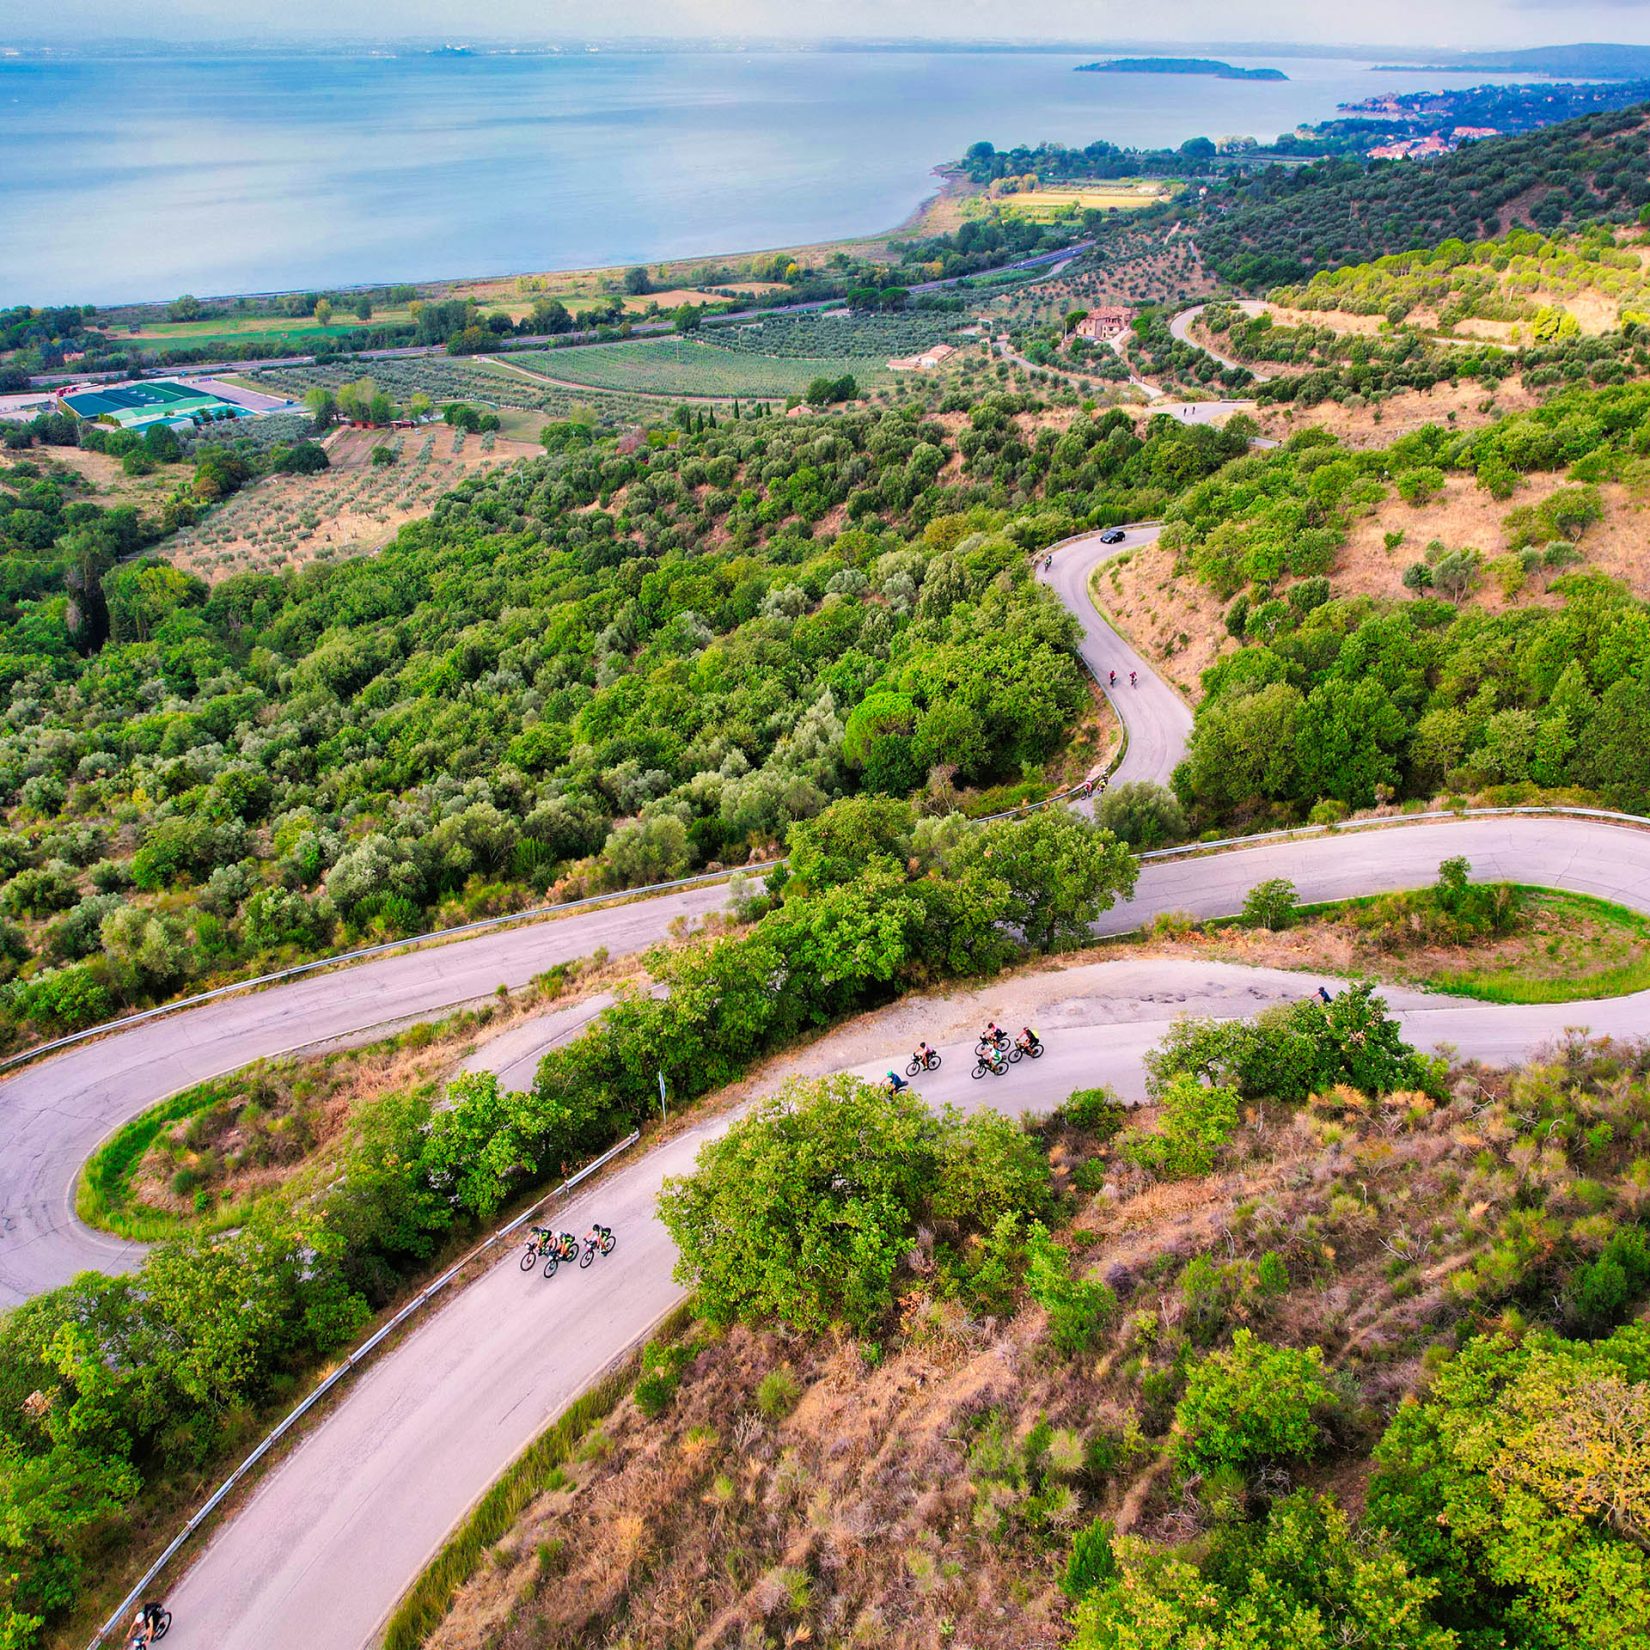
1142, 815
1251, 1404
803, 1211
1063, 873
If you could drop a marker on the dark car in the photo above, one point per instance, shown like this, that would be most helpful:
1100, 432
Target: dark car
1113, 535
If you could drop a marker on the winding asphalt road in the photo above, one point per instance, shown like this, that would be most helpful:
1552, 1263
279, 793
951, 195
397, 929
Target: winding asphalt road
1156, 718
1181, 326
54, 1114
324, 1546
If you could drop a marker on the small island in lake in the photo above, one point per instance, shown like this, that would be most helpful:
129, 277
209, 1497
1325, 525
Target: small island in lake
1179, 65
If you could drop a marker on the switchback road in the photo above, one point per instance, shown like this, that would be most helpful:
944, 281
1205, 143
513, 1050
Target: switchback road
324, 1546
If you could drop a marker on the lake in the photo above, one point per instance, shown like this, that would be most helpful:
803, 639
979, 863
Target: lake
140, 178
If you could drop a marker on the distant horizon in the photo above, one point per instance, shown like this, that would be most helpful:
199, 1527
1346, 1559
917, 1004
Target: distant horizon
306, 42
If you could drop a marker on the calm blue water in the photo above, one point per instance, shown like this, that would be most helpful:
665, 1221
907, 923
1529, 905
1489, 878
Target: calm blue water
126, 179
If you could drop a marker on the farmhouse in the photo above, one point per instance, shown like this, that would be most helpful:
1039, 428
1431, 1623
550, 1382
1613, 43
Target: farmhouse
137, 406
1106, 323
926, 362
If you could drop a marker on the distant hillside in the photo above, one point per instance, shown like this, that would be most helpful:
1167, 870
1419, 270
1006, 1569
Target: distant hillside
1179, 65
1590, 62
1281, 227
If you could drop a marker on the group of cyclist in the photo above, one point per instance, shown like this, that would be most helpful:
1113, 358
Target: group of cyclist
994, 1042
563, 1248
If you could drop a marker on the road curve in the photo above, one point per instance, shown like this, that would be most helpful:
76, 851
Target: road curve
1153, 715
326, 1543
54, 1114
1181, 326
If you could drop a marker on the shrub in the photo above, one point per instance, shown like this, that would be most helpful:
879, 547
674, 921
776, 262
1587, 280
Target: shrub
661, 1374
1292, 1052
1251, 1404
1095, 1111
1603, 1291
1270, 904
1078, 1308
1517, 1486
1194, 1122
1091, 1562
777, 1394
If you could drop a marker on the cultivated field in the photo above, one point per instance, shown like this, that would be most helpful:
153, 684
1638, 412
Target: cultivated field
688, 367
349, 510
1046, 204
479, 381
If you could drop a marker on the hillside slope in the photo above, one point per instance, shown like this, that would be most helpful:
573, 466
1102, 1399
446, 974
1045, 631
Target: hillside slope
1282, 226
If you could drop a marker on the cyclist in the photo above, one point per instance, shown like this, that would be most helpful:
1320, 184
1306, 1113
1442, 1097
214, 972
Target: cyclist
896, 1082
597, 1233
1323, 992
923, 1055
1134, 680
1114, 678
1028, 1039
143, 1626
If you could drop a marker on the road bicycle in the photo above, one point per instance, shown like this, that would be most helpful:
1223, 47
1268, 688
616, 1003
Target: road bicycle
157, 1628
993, 1062
562, 1251
929, 1062
545, 1242
599, 1242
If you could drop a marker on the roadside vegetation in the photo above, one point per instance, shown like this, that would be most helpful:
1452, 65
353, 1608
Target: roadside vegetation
118, 1394
1218, 1377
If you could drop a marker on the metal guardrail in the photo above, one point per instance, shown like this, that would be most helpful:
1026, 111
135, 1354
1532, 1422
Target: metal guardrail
362, 1352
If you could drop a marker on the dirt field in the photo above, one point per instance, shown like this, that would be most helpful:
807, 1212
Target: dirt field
1457, 406
350, 510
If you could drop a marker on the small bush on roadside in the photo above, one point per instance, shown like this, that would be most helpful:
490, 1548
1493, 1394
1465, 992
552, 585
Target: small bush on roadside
1270, 905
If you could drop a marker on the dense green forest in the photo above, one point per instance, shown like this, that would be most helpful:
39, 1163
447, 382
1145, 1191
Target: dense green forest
594, 671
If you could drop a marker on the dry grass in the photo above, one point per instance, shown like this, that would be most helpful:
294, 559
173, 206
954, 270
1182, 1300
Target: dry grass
1175, 621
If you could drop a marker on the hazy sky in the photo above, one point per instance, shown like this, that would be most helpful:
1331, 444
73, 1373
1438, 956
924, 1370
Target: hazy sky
1410, 22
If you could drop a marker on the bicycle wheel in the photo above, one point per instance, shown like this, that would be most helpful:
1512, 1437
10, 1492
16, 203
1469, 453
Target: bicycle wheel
1000, 1067
588, 1256
1036, 1051
531, 1258
162, 1622
551, 1265
980, 1068
1014, 1054
912, 1069
933, 1062
607, 1243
